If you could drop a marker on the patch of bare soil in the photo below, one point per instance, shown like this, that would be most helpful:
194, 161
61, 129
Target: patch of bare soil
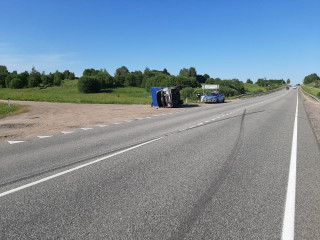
313, 110
46, 118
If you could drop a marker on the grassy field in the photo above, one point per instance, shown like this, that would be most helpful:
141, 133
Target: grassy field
6, 111
312, 90
254, 88
68, 92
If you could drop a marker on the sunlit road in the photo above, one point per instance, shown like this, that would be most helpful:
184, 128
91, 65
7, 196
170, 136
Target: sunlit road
214, 172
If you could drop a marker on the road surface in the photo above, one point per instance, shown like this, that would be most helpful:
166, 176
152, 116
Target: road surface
216, 172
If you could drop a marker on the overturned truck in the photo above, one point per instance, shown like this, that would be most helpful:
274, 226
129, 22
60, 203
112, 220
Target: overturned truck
166, 97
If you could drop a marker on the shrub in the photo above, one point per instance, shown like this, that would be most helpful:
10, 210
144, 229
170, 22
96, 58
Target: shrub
17, 83
34, 80
89, 84
3, 80
47, 80
318, 94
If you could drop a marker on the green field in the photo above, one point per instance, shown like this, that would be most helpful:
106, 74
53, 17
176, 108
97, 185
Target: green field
254, 88
6, 111
68, 92
312, 90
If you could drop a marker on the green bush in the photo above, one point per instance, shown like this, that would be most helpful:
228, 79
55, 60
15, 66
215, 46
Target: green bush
34, 81
89, 84
318, 94
17, 83
3, 80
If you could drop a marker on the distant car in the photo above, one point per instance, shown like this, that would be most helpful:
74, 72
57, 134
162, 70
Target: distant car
214, 97
294, 87
287, 87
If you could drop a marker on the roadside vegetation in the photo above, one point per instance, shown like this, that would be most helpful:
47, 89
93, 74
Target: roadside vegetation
311, 84
124, 87
6, 111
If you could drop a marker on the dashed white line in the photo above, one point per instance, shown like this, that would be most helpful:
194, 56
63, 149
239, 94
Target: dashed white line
85, 129
14, 142
67, 132
74, 169
117, 123
44, 136
102, 125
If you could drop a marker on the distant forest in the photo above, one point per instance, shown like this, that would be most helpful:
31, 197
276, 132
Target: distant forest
93, 80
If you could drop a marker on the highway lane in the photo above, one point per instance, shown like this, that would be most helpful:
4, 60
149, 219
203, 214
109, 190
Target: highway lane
221, 179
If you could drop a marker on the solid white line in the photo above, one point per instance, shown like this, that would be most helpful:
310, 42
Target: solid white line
289, 213
74, 169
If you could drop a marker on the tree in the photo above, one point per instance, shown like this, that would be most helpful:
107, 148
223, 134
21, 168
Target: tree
288, 81
184, 72
249, 81
3, 69
58, 77
312, 78
201, 79
165, 71
206, 76
34, 78
120, 75
192, 72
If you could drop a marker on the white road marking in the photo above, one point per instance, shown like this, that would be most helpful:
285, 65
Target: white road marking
102, 125
200, 124
289, 213
213, 119
44, 136
128, 120
14, 142
85, 129
139, 118
117, 123
148, 117
67, 132
74, 169
207, 121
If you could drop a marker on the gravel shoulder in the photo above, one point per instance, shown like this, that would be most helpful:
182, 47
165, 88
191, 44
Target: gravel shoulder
312, 108
46, 118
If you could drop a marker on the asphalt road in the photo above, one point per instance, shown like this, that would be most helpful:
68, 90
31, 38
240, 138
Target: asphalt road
216, 172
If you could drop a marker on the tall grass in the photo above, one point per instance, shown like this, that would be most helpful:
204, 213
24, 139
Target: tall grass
312, 90
5, 110
68, 92
254, 88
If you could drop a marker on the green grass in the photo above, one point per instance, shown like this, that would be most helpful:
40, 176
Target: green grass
254, 88
68, 92
311, 89
6, 111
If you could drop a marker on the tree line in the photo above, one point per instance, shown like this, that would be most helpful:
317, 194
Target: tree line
94, 80
32, 79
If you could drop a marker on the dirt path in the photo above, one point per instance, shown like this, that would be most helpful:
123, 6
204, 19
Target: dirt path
46, 118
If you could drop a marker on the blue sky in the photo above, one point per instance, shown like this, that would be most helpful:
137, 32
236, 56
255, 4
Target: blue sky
227, 39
